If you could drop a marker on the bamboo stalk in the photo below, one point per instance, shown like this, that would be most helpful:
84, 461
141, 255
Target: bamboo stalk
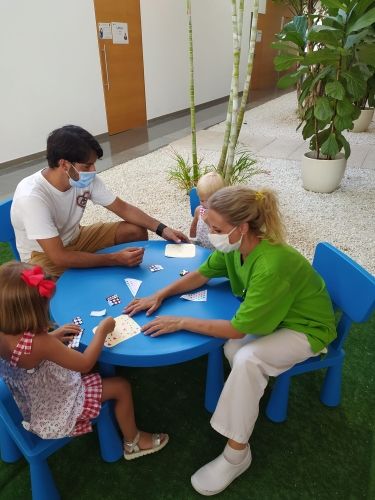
192, 97
224, 149
249, 70
240, 21
234, 92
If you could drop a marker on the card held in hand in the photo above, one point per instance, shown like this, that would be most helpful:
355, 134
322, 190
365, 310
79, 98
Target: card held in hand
125, 329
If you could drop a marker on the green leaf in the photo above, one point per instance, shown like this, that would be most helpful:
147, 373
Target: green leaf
345, 108
322, 109
360, 7
308, 130
335, 21
295, 31
310, 82
362, 22
326, 35
335, 89
355, 39
293, 37
283, 62
343, 143
322, 136
343, 123
300, 23
330, 147
321, 56
288, 80
284, 47
355, 82
333, 4
366, 53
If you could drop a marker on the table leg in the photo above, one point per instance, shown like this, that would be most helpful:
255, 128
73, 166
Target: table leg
107, 370
214, 379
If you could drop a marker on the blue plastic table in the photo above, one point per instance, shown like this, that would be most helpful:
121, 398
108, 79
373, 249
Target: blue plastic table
80, 291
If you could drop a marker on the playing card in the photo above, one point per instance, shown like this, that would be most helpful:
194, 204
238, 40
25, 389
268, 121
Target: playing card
195, 297
182, 250
102, 312
77, 320
125, 329
133, 285
76, 340
155, 267
113, 300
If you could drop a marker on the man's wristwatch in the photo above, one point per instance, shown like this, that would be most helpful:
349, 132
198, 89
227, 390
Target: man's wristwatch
160, 229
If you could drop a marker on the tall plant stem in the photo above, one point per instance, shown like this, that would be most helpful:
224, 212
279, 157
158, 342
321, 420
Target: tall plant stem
250, 62
240, 21
224, 149
192, 97
234, 92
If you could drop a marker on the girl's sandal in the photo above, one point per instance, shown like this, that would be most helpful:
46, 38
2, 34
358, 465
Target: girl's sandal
132, 450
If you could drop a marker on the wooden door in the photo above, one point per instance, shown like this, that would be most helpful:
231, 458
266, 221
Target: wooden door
264, 74
122, 66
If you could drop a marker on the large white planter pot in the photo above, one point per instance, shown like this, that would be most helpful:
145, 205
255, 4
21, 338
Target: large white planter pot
362, 123
322, 176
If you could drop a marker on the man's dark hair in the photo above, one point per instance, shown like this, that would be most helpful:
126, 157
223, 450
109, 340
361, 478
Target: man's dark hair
71, 143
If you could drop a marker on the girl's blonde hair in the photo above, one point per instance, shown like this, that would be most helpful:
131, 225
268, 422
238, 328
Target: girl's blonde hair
259, 209
22, 308
208, 184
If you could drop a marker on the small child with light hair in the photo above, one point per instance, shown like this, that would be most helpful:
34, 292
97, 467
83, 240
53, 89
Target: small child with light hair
207, 185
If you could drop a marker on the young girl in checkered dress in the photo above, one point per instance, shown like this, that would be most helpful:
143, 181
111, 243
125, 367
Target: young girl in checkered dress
45, 376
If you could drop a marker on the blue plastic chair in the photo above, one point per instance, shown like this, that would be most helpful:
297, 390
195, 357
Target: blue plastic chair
15, 441
352, 291
6, 228
194, 200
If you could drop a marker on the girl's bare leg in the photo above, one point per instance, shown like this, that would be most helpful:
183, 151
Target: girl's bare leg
119, 390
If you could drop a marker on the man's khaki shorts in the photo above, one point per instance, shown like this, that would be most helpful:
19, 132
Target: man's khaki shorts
90, 239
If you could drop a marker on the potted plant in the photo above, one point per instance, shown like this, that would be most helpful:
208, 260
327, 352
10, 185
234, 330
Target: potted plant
365, 58
332, 69
366, 105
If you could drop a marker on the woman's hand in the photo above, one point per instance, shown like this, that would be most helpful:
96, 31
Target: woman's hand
150, 303
163, 324
66, 332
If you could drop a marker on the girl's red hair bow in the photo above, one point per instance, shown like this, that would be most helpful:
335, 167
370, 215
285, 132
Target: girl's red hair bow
35, 277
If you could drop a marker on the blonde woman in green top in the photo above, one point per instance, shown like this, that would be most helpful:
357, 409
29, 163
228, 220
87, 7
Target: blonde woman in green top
285, 316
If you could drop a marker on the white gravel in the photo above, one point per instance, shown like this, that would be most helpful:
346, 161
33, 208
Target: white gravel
345, 218
279, 118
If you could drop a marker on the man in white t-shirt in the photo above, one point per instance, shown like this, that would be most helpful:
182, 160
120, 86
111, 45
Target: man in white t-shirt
48, 206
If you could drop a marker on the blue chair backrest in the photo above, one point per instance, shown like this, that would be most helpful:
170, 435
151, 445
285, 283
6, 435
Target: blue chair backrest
194, 200
6, 228
12, 418
351, 288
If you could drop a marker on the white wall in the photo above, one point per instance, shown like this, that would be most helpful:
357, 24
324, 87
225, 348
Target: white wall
50, 72
165, 52
50, 68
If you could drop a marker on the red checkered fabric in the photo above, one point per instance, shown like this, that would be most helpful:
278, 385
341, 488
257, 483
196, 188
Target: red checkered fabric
91, 405
23, 346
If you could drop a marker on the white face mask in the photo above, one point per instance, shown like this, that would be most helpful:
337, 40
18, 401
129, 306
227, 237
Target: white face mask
221, 242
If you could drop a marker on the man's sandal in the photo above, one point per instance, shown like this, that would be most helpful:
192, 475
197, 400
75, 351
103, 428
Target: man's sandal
132, 450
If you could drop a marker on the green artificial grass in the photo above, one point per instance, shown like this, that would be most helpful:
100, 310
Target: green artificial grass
5, 253
318, 453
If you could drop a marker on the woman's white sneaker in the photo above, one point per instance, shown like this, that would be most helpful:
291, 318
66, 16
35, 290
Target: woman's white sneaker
215, 476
